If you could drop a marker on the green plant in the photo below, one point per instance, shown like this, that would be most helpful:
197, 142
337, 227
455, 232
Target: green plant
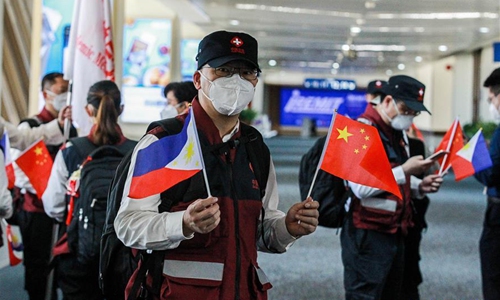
248, 115
488, 128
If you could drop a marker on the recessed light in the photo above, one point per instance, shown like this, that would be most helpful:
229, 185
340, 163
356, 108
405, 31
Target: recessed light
418, 58
388, 72
335, 65
355, 30
234, 22
484, 30
443, 48
401, 67
272, 62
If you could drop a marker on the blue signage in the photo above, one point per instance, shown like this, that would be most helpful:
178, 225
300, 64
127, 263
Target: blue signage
330, 84
496, 52
298, 104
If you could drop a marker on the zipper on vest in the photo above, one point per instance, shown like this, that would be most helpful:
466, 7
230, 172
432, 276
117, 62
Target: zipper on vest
237, 277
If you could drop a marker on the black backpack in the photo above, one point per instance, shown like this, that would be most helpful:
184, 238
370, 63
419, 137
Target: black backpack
330, 191
89, 212
118, 262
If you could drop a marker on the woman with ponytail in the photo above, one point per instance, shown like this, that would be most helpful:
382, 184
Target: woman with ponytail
65, 194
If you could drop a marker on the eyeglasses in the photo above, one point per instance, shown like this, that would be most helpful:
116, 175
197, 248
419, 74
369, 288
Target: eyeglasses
245, 73
406, 111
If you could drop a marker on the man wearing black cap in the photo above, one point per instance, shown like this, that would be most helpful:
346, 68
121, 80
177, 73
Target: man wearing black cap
375, 91
489, 245
212, 240
372, 238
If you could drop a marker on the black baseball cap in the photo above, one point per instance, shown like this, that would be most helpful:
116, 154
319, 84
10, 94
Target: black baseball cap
376, 87
221, 47
409, 90
493, 79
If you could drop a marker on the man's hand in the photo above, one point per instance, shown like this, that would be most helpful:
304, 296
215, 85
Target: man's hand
416, 165
201, 216
430, 183
302, 218
64, 113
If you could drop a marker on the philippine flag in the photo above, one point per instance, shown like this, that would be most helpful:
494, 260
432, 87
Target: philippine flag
472, 158
9, 168
167, 162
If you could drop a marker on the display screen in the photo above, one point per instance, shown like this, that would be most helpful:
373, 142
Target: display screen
298, 104
146, 68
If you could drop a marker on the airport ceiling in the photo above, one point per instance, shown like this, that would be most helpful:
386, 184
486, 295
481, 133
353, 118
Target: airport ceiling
353, 36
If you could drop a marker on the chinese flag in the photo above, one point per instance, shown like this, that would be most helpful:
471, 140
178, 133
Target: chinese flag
457, 143
36, 163
355, 152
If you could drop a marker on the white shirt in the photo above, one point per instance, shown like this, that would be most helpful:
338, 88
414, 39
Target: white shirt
139, 225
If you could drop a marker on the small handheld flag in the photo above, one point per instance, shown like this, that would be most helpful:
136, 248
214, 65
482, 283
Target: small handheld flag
36, 163
472, 158
167, 162
354, 152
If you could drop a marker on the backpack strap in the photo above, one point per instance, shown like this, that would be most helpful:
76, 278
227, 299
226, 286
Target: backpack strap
83, 146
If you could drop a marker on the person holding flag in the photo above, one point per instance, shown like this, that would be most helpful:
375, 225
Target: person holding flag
379, 220
227, 210
36, 227
489, 245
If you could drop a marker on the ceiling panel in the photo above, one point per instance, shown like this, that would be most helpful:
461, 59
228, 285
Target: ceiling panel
310, 34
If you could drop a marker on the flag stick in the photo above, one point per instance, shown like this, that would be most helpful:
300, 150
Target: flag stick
448, 147
191, 112
322, 154
67, 123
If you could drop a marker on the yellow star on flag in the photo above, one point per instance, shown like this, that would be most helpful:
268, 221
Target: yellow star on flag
343, 134
38, 151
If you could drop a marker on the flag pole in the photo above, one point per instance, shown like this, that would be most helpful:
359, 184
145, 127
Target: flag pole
67, 123
205, 177
322, 154
448, 147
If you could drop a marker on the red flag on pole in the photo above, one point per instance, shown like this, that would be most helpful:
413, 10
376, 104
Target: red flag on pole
354, 152
36, 163
452, 142
90, 54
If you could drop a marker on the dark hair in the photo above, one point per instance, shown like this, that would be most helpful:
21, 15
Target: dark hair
105, 97
493, 79
50, 79
183, 91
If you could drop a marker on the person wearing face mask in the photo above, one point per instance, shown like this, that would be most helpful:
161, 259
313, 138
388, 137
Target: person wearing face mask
372, 238
36, 227
179, 96
217, 237
489, 244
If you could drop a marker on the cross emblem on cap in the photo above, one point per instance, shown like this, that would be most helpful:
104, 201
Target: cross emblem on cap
421, 92
237, 41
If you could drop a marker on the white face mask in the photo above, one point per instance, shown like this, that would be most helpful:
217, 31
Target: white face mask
58, 100
494, 112
399, 122
229, 95
168, 112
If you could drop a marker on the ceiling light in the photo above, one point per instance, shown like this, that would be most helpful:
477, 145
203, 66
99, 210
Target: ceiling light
370, 5
360, 21
346, 47
484, 30
334, 71
401, 67
234, 22
418, 58
335, 65
388, 72
272, 62
355, 30
378, 48
443, 48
